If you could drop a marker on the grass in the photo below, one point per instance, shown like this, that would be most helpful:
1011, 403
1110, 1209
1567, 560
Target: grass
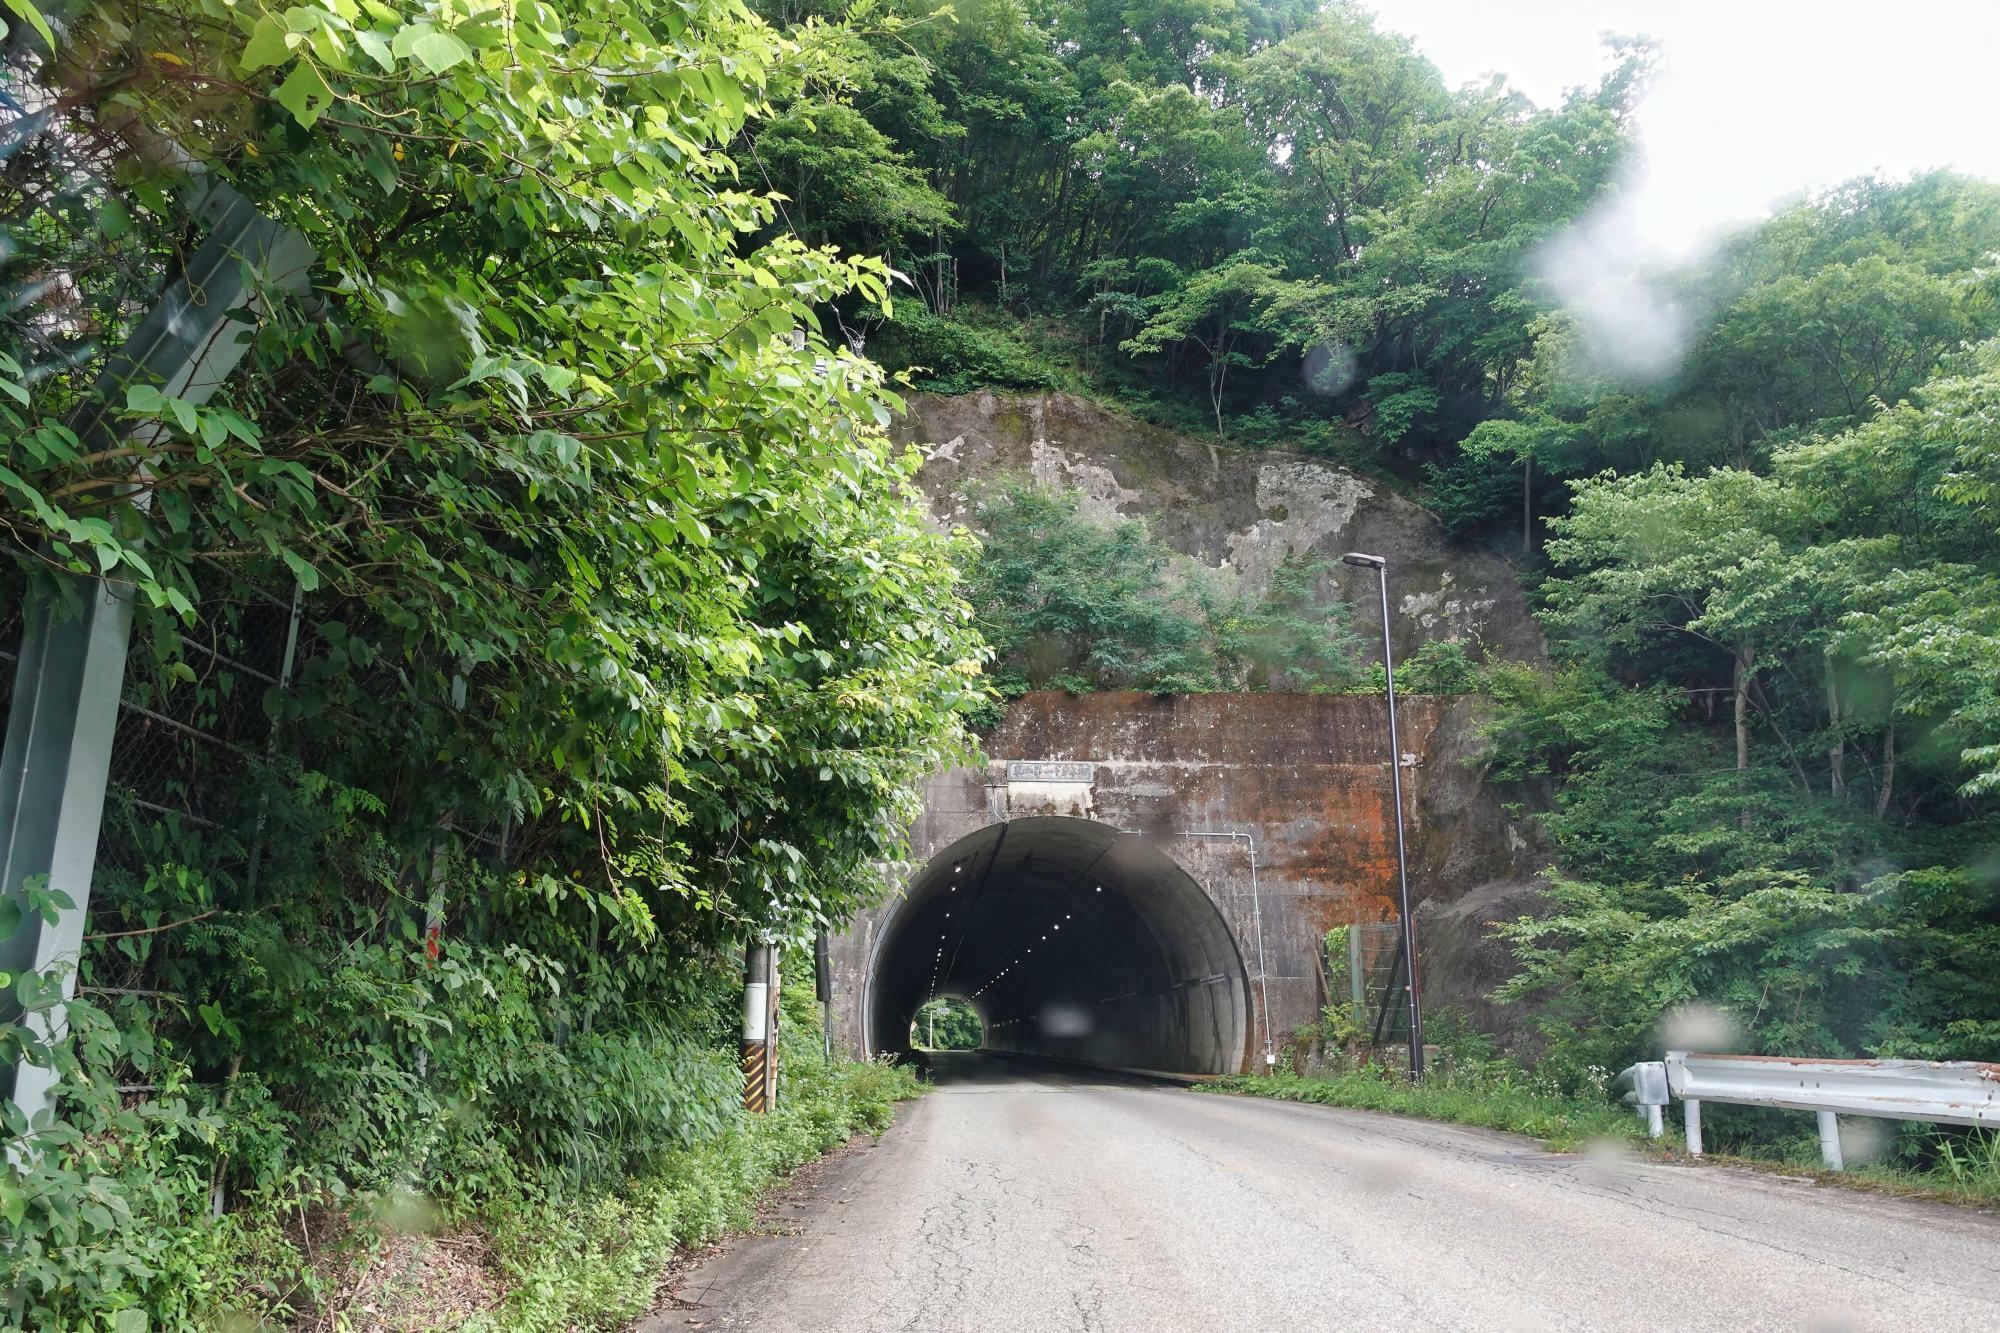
1957, 1169
596, 1262
1490, 1095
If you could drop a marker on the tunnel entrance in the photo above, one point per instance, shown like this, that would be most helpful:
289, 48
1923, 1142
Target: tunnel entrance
1072, 939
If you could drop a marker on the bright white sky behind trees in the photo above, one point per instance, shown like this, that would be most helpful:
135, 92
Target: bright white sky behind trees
1760, 99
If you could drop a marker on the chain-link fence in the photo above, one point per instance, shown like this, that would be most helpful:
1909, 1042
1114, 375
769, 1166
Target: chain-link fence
83, 257
192, 728
10, 633
195, 725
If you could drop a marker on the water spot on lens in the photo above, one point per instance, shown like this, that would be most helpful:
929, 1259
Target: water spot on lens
1380, 1172
1329, 368
1066, 1020
1701, 1028
406, 1212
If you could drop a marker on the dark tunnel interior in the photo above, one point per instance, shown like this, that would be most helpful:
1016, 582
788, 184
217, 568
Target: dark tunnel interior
1074, 940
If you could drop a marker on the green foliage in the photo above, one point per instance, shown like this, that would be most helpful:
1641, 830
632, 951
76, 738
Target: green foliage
1772, 740
1854, 296
954, 354
1179, 187
1441, 666
113, 1220
1971, 1164
1492, 1095
602, 555
1066, 599
947, 1024
595, 1263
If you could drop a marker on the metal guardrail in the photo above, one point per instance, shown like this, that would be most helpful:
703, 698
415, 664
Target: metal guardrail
1945, 1092
1644, 1086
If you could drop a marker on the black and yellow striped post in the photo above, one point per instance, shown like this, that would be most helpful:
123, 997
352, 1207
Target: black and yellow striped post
754, 1068
760, 1027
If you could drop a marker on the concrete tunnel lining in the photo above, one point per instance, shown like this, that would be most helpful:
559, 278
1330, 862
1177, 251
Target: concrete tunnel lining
1073, 939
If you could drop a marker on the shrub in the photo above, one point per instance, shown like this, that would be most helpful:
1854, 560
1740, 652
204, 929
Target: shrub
949, 355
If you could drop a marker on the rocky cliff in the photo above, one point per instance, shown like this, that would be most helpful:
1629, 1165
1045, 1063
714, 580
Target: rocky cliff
1239, 510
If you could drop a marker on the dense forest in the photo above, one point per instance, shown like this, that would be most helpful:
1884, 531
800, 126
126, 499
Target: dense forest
622, 635
616, 638
1770, 737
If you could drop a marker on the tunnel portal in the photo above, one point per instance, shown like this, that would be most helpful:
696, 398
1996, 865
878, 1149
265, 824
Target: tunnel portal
1074, 940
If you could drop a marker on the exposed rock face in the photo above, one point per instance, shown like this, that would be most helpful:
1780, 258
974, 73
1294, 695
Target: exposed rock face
1239, 510
1474, 863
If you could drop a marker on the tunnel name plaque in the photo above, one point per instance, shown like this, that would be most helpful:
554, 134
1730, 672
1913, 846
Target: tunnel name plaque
1050, 770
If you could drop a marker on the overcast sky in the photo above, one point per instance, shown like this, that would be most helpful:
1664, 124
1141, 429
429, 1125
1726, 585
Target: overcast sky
1761, 98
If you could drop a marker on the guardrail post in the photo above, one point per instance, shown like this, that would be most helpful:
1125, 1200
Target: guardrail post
1829, 1141
1643, 1087
1692, 1120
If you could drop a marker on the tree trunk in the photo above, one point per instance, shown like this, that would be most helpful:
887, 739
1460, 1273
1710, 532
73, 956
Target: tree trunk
1527, 503
1218, 369
1746, 661
1215, 398
1836, 753
1888, 773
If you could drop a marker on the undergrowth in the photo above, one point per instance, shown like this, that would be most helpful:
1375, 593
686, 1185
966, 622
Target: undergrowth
1489, 1097
1921, 1160
595, 1263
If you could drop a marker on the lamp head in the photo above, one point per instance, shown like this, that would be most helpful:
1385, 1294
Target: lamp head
1364, 561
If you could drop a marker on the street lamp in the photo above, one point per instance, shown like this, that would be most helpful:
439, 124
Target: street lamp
1381, 568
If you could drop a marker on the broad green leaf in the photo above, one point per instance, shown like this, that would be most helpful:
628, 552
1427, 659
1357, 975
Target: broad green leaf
377, 48
27, 9
270, 44
305, 93
438, 50
302, 570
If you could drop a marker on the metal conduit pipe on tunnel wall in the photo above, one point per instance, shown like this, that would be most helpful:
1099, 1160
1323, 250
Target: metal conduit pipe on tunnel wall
1257, 928
1073, 939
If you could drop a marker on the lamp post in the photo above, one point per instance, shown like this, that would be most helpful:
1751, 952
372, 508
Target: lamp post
1381, 568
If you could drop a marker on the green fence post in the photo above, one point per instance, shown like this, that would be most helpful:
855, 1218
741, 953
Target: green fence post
56, 758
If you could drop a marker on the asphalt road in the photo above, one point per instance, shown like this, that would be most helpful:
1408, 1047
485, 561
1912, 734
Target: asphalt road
1015, 1197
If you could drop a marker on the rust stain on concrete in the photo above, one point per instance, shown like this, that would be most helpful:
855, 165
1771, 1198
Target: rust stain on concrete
1307, 775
